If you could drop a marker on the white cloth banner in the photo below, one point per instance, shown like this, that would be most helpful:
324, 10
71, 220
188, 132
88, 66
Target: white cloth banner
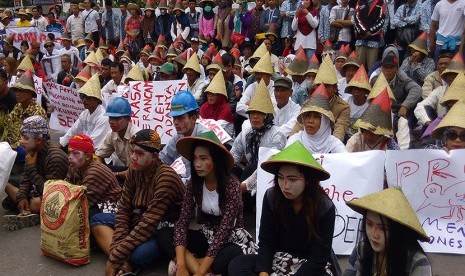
6, 164
52, 66
30, 34
66, 106
353, 175
151, 104
434, 183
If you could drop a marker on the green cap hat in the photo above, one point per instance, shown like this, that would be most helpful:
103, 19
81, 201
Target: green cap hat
185, 146
392, 204
295, 154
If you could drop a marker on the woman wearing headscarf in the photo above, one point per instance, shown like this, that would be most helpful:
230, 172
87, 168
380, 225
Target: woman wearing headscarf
147, 25
317, 119
180, 25
256, 132
222, 21
207, 20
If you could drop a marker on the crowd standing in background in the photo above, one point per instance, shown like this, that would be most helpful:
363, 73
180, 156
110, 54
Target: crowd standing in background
302, 76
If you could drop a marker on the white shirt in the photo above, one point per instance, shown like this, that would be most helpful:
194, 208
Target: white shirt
210, 202
196, 88
309, 41
94, 125
90, 23
73, 52
451, 18
112, 90
433, 100
286, 117
243, 106
75, 25
41, 23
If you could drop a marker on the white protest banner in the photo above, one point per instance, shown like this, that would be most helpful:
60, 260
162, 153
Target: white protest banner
365, 172
214, 126
150, 105
178, 166
434, 183
67, 106
30, 34
6, 164
52, 66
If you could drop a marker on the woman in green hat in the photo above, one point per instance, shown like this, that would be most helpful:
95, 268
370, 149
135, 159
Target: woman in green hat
389, 237
297, 222
214, 195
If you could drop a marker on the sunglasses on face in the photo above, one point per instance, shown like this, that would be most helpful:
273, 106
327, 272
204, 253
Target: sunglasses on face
453, 135
83, 96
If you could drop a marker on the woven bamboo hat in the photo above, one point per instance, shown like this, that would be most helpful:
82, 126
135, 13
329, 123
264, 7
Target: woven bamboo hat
48, 41
172, 51
156, 55
352, 60
91, 49
378, 87
26, 64
80, 42
161, 42
272, 30
454, 118
217, 85
343, 52
178, 6
326, 73
134, 6
217, 63
149, 6
392, 204
295, 154
264, 65
65, 36
185, 146
92, 88
261, 50
89, 38
120, 48
419, 43
146, 50
91, 59
163, 4
261, 101
135, 74
25, 82
208, 53
328, 48
299, 64
377, 117
360, 80
84, 75
314, 65
22, 12
456, 65
181, 58
318, 102
455, 91
193, 63
99, 55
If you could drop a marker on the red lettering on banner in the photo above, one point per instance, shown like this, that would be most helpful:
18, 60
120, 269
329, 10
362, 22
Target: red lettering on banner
405, 169
436, 168
65, 120
335, 195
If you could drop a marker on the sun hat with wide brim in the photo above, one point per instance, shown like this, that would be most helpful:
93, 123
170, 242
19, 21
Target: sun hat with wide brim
454, 118
390, 203
185, 146
134, 6
295, 154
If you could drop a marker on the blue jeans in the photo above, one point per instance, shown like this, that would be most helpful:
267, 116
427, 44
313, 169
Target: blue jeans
145, 255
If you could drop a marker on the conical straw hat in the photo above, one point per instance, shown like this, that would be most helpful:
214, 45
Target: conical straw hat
264, 65
217, 85
318, 102
392, 204
163, 4
235, 52
272, 30
149, 6
161, 42
209, 53
26, 64
326, 73
156, 55
193, 63
455, 91
359, 80
379, 86
261, 50
182, 58
178, 6
92, 88
126, 41
146, 50
456, 65
377, 117
102, 44
91, 59
328, 47
172, 51
299, 65
343, 52
99, 55
217, 63
314, 65
295, 154
25, 82
454, 118
185, 146
419, 43
261, 100
84, 74
89, 38
135, 74
120, 48
79, 43
91, 49
352, 60
237, 63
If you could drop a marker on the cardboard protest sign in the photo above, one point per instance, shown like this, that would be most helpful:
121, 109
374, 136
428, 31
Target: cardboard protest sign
365, 172
434, 183
67, 106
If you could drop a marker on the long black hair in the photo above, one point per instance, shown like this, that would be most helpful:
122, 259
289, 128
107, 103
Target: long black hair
313, 196
219, 168
400, 246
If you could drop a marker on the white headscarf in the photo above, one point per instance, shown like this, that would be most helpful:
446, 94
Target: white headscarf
322, 142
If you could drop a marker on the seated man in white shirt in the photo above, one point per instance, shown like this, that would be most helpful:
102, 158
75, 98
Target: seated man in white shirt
286, 111
92, 121
111, 90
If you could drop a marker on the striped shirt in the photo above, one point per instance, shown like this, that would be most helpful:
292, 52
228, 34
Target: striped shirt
101, 183
52, 163
144, 204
